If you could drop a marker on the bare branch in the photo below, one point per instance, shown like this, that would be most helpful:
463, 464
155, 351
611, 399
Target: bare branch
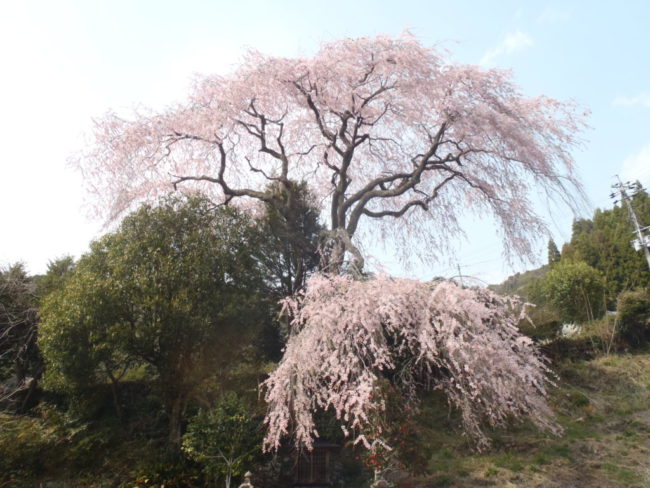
228, 192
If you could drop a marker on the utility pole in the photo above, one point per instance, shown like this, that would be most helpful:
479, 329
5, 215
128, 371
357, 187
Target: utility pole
643, 233
460, 275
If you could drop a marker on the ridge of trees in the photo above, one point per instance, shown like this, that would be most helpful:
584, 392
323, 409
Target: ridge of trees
591, 272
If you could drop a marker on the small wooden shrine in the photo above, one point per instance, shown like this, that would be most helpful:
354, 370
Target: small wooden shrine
314, 468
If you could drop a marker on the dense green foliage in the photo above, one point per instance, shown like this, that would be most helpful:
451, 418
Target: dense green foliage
576, 290
175, 289
290, 230
603, 242
554, 255
633, 309
57, 272
225, 440
161, 319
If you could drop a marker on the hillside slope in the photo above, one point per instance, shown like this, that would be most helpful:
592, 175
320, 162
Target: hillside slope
604, 407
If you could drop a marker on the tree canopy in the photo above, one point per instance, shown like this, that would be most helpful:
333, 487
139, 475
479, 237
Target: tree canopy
575, 289
290, 232
176, 287
554, 255
386, 131
603, 242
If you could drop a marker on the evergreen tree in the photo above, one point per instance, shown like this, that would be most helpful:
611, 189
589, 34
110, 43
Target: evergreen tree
290, 234
553, 253
604, 243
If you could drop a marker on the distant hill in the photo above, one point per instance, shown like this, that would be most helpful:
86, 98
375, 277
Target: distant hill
520, 283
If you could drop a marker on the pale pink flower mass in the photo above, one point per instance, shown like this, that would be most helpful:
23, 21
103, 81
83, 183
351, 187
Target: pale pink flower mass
393, 140
348, 333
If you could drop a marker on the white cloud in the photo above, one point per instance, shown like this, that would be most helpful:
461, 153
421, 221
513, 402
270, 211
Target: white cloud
512, 43
640, 100
553, 14
637, 167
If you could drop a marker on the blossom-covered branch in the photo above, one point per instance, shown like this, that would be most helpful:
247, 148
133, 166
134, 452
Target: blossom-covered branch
348, 334
378, 127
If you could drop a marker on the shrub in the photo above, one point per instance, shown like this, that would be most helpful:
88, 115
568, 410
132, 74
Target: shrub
29, 445
225, 440
167, 470
576, 291
633, 314
543, 325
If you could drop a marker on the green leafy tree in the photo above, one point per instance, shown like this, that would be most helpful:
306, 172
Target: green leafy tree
84, 330
575, 289
225, 439
57, 272
288, 251
176, 287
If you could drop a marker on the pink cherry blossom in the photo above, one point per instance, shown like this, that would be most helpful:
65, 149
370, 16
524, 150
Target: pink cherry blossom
393, 139
348, 333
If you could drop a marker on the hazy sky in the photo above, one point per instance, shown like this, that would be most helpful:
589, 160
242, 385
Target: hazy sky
64, 62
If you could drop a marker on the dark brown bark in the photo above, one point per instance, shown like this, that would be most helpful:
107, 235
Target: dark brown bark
176, 413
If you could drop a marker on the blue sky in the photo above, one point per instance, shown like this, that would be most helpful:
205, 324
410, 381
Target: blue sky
65, 62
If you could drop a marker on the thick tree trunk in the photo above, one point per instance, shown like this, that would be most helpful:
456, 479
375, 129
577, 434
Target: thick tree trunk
332, 252
116, 401
334, 245
114, 392
176, 412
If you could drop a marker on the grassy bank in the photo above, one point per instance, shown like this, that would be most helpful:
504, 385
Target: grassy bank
604, 407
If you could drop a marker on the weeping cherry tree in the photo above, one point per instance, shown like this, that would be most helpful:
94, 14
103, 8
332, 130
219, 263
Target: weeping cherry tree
395, 143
